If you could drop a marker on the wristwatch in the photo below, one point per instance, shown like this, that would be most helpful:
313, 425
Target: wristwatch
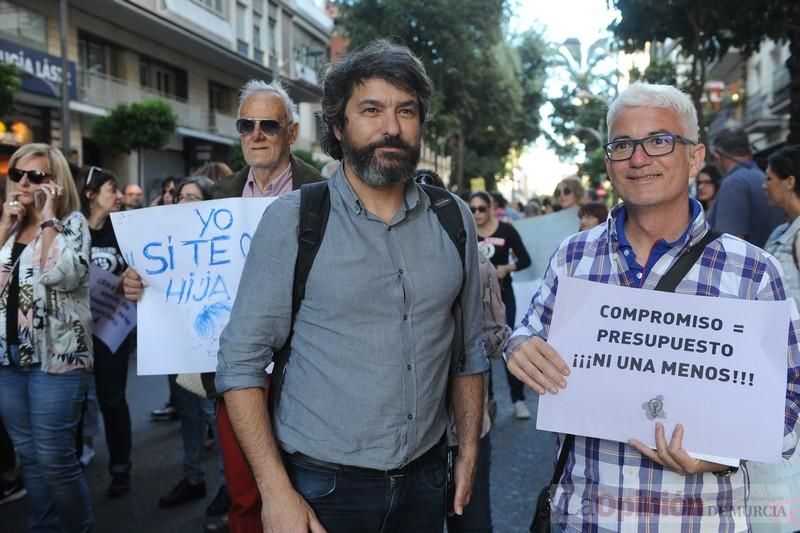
52, 223
728, 472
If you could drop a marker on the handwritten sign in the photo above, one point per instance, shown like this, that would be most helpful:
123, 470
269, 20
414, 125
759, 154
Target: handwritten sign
114, 317
190, 257
715, 365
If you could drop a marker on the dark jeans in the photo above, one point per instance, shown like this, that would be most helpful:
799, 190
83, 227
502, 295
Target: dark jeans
111, 378
8, 458
514, 385
477, 517
348, 502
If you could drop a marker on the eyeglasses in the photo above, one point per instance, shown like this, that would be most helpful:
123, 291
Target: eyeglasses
246, 126
34, 176
654, 146
566, 191
703, 182
92, 171
478, 208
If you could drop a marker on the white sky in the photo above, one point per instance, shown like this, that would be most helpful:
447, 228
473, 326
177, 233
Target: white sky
587, 20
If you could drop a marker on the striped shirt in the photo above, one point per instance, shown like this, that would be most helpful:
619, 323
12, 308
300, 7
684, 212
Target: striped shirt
610, 486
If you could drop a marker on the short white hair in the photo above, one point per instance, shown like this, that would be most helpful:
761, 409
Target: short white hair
660, 96
254, 86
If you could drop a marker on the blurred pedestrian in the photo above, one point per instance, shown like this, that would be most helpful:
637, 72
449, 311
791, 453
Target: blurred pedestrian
783, 191
213, 170
133, 196
45, 334
532, 209
592, 215
100, 197
741, 206
497, 241
167, 196
707, 183
11, 487
569, 193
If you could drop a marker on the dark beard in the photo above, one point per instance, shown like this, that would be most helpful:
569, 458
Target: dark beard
400, 166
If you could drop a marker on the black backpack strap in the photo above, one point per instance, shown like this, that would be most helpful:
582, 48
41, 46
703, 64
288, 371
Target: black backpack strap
684, 264
449, 215
315, 206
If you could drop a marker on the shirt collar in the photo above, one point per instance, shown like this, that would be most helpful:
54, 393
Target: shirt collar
339, 183
790, 231
693, 233
252, 185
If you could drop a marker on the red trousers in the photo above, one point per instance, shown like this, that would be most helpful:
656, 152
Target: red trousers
244, 515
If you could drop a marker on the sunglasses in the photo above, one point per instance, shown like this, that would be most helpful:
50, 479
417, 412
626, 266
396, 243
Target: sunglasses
92, 172
246, 126
703, 182
478, 208
34, 176
566, 191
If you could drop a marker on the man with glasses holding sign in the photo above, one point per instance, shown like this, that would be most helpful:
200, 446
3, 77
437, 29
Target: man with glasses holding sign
653, 150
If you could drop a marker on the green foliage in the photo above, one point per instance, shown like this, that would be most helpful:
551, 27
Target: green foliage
578, 117
306, 156
10, 83
662, 72
236, 157
486, 88
705, 31
144, 125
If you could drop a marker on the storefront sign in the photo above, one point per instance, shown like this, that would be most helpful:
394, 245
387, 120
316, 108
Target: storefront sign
41, 72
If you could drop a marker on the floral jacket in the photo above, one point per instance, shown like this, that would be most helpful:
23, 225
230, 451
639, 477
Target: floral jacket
57, 329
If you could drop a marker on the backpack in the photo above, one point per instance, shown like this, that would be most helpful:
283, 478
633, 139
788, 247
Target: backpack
495, 329
315, 207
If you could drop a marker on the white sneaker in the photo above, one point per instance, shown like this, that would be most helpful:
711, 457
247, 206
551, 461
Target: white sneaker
521, 410
86, 456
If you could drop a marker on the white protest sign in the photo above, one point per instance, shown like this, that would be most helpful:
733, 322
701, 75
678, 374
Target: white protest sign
190, 257
541, 235
113, 316
715, 365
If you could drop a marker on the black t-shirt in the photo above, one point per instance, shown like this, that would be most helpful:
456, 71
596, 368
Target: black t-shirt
497, 246
12, 303
105, 250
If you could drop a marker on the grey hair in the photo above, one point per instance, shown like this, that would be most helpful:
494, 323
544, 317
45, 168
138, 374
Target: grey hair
204, 183
660, 96
254, 86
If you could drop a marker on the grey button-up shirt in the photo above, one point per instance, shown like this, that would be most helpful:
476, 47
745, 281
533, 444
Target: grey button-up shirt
366, 381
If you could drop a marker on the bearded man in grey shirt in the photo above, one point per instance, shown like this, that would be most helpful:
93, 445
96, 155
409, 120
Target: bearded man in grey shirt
357, 443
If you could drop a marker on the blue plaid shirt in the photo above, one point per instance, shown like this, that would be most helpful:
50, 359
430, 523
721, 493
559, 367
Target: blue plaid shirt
610, 486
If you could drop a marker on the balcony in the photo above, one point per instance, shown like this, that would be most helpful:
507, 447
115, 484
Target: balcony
106, 92
758, 118
305, 73
781, 90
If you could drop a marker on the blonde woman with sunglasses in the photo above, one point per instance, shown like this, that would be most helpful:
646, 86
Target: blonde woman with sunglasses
45, 334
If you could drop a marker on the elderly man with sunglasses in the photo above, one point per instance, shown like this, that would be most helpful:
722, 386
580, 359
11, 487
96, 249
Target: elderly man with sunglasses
267, 127
613, 486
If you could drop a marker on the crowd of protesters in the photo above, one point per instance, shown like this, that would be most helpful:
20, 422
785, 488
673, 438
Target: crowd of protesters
55, 375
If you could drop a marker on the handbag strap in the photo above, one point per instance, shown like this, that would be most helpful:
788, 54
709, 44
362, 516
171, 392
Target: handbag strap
681, 267
667, 283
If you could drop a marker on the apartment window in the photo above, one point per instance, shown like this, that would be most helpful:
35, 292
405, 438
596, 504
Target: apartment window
23, 26
221, 98
241, 30
217, 6
258, 52
272, 39
258, 6
163, 78
95, 55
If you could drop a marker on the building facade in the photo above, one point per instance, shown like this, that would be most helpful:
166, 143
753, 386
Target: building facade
193, 54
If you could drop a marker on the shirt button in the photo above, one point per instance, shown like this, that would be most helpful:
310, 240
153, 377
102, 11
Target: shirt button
389, 228
626, 252
401, 271
410, 416
405, 317
408, 367
638, 275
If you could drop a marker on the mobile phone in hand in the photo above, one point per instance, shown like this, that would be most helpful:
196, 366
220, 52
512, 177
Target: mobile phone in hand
450, 488
39, 199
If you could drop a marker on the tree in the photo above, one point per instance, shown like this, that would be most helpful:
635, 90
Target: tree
10, 83
141, 126
706, 31
482, 83
658, 71
578, 117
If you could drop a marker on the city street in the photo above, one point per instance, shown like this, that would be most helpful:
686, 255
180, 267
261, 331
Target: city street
521, 457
